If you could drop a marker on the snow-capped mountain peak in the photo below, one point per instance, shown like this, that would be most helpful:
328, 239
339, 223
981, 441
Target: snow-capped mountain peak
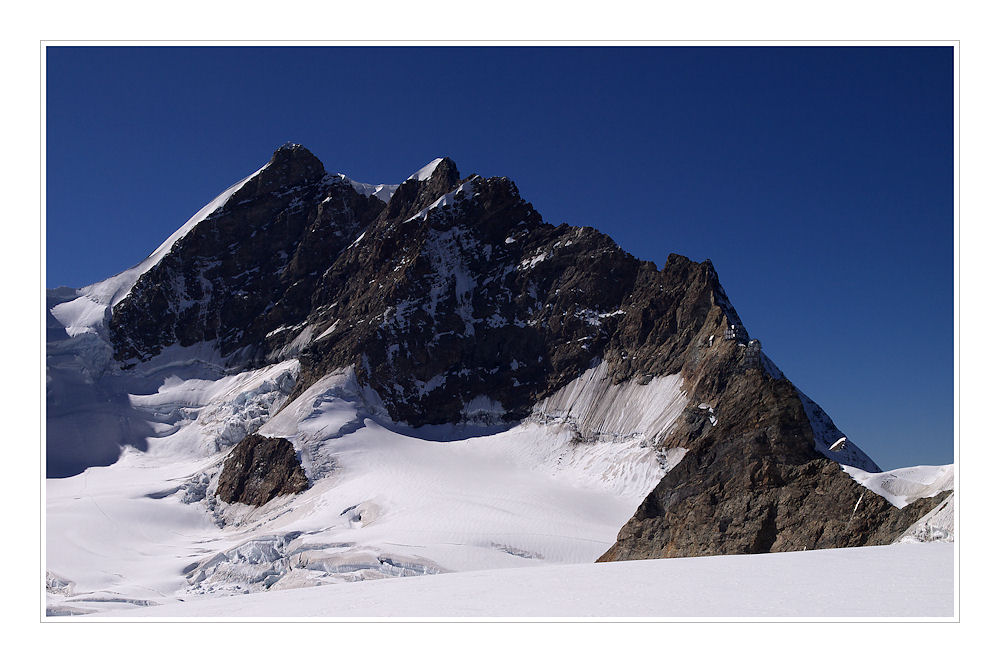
426, 172
413, 379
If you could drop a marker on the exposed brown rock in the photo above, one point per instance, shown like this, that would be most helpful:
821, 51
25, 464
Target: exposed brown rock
259, 469
754, 482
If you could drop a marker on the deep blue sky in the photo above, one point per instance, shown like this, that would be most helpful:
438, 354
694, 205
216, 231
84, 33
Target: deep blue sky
819, 180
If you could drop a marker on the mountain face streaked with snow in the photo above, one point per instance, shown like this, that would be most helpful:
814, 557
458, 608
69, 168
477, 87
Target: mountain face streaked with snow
316, 380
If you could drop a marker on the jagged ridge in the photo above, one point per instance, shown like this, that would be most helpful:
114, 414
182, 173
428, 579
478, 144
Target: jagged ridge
454, 290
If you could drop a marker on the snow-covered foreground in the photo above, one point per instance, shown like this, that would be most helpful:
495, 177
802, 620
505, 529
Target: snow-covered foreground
886, 581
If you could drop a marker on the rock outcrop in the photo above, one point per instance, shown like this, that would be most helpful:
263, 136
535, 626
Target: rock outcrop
760, 507
755, 477
258, 469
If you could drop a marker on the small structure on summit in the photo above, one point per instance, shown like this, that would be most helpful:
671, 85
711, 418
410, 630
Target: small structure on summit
737, 333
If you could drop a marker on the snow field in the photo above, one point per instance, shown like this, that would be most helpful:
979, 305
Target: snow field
848, 583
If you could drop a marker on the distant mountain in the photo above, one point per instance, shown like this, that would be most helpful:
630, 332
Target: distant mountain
313, 322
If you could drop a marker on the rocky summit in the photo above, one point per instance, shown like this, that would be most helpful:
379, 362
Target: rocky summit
450, 302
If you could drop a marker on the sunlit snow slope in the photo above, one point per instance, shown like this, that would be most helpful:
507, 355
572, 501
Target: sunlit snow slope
385, 501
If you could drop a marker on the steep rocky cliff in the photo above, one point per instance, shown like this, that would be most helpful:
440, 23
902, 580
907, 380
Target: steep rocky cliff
249, 267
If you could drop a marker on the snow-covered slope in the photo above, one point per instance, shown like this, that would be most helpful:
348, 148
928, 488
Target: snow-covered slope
909, 484
906, 485
381, 191
425, 172
886, 582
88, 415
384, 501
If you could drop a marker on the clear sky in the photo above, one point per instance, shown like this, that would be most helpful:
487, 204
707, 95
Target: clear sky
819, 180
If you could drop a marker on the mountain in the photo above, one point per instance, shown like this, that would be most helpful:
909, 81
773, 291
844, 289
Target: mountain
309, 357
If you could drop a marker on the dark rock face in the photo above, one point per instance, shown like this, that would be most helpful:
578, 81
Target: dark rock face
258, 469
450, 309
482, 298
249, 268
454, 290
